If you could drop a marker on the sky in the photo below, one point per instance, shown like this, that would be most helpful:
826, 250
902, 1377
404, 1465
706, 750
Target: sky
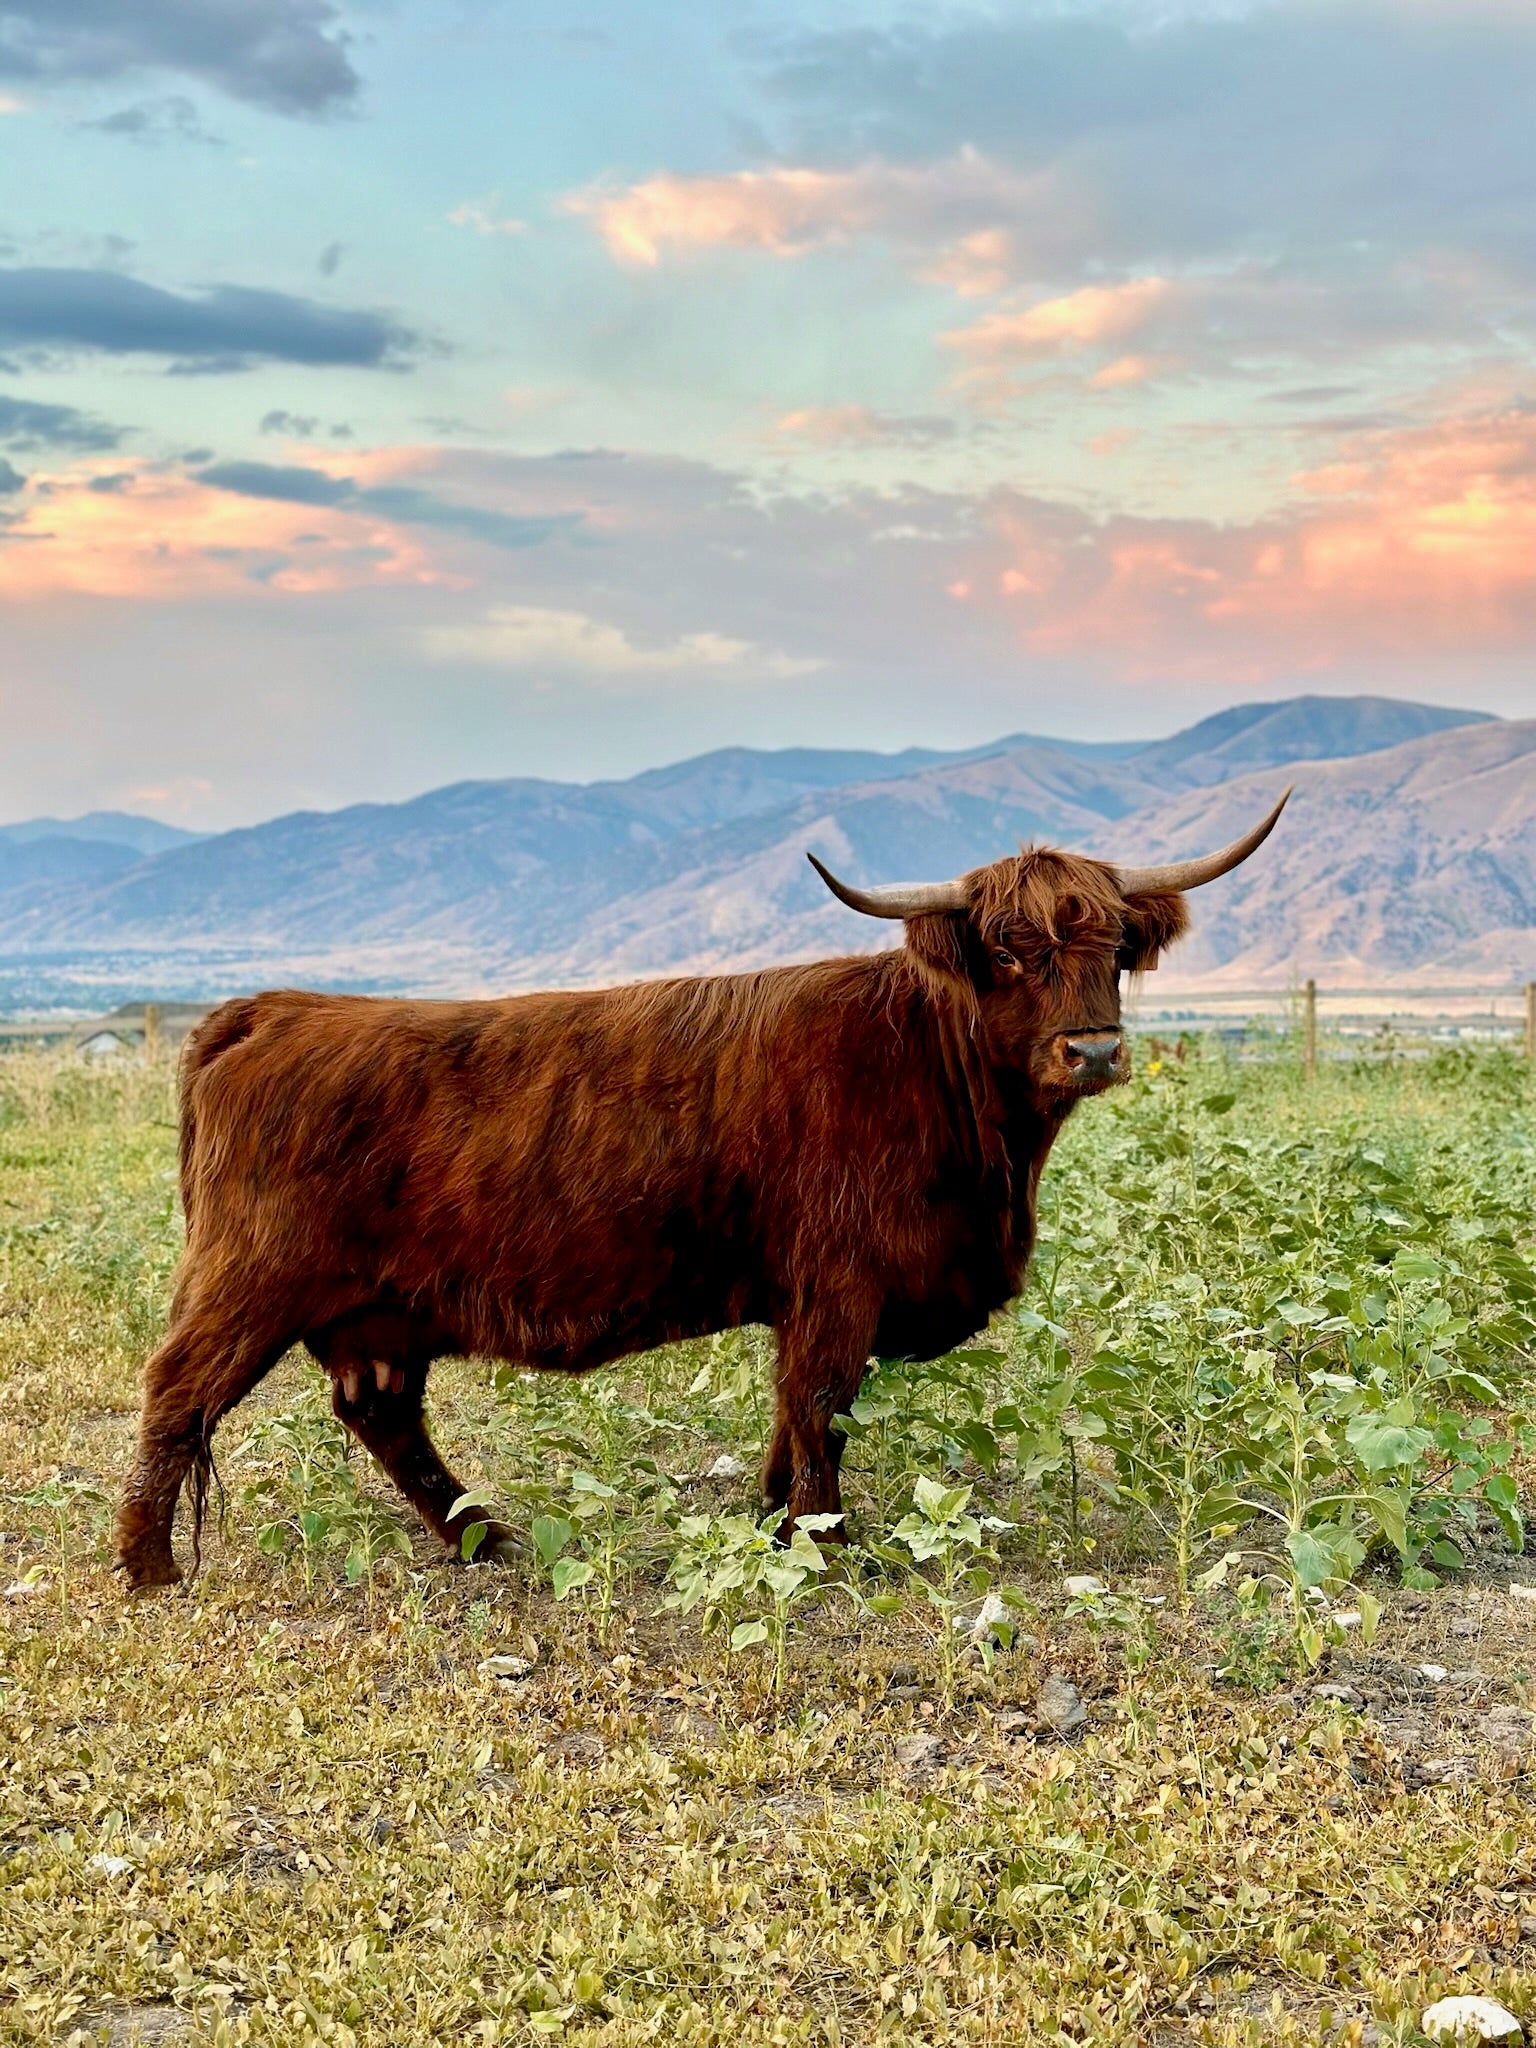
400, 391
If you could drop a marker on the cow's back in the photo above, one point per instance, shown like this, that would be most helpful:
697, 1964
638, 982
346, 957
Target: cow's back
562, 1176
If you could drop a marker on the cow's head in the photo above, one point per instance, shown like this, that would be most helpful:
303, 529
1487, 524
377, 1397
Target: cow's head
1042, 940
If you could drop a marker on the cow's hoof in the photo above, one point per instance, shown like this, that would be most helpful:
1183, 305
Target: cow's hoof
150, 1574
497, 1546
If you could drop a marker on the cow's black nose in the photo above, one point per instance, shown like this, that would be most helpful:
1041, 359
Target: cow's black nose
1094, 1054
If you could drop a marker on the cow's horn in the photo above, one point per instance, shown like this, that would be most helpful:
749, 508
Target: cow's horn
1189, 874
895, 899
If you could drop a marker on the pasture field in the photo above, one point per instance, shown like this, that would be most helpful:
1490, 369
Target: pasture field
1172, 1688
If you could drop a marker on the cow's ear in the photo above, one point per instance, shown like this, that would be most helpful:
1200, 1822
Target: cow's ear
1152, 922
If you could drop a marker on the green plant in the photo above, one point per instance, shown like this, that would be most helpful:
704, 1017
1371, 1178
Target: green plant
746, 1583
606, 1524
60, 1505
312, 1503
940, 1530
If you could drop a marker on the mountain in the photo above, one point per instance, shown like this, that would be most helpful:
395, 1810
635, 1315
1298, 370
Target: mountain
1415, 866
701, 865
101, 828
1299, 729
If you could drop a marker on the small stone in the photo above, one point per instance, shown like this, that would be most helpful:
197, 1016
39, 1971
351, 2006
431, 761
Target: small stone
1508, 1729
1518, 1592
1059, 1705
901, 1675
1469, 2019
111, 1866
1347, 1617
382, 1828
1083, 1586
1012, 1724
1528, 1927
1435, 1673
992, 1611
1443, 1770
1463, 1625
505, 1667
578, 1746
726, 1467
918, 1756
1333, 1689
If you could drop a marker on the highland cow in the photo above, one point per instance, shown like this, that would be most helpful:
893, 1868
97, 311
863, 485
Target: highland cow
847, 1151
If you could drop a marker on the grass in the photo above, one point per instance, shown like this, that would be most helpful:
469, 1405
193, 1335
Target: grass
1270, 1375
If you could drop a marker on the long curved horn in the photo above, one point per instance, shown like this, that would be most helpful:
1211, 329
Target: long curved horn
1189, 874
895, 899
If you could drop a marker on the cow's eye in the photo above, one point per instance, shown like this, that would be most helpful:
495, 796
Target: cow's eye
1003, 957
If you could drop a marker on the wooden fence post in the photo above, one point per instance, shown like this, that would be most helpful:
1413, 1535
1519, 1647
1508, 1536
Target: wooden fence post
151, 1033
1530, 1020
1309, 1030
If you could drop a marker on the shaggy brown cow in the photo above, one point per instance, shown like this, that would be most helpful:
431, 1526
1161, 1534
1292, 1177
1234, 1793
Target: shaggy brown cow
847, 1151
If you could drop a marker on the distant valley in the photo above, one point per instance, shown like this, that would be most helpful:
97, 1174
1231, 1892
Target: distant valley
1407, 858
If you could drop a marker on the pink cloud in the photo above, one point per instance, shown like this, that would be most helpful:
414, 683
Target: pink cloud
964, 201
162, 535
1081, 319
1413, 544
976, 266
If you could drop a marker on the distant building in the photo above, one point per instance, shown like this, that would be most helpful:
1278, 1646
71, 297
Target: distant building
125, 1028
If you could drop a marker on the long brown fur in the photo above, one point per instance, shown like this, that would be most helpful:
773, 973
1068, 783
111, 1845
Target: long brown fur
847, 1151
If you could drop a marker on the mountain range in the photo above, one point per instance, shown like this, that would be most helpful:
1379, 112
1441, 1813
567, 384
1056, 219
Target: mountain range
1407, 858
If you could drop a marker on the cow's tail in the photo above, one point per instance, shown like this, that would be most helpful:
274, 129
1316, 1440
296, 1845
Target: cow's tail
221, 1029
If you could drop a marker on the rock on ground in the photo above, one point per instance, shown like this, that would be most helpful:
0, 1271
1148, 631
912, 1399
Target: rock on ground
1059, 1705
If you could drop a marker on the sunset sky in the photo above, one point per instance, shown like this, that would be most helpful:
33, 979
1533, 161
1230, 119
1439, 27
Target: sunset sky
411, 390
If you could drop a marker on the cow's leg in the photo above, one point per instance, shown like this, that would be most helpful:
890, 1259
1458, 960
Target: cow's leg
821, 1365
203, 1368
379, 1399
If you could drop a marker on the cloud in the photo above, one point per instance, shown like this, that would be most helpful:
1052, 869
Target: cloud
483, 217
302, 426
224, 327
329, 260
409, 504
860, 426
11, 480
979, 264
29, 423
1181, 132
149, 535
1098, 313
289, 56
1412, 545
788, 210
534, 636
150, 122
1247, 322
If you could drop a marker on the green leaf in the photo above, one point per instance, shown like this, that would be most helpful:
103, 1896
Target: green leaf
746, 1633
1383, 1446
551, 1533
569, 1573
1389, 1505
477, 1497
1218, 1105
1312, 1560
1411, 1265
471, 1540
